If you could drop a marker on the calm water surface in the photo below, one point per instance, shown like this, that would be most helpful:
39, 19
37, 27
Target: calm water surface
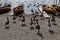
26, 3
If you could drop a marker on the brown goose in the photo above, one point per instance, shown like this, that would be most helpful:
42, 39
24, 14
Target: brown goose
5, 9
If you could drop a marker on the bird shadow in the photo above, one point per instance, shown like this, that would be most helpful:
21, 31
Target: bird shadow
23, 25
55, 24
40, 34
14, 21
32, 28
7, 27
14, 18
51, 32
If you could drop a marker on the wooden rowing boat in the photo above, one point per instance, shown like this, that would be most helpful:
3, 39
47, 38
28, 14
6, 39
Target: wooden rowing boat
49, 9
5, 9
18, 10
56, 7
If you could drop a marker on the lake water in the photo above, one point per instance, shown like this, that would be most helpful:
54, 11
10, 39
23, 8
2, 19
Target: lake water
26, 3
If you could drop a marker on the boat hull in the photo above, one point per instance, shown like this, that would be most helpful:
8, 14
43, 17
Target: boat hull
18, 10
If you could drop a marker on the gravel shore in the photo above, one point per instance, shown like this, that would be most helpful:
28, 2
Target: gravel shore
17, 32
